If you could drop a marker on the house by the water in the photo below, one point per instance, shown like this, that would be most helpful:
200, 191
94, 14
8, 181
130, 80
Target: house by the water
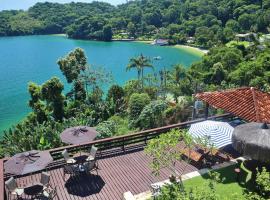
160, 42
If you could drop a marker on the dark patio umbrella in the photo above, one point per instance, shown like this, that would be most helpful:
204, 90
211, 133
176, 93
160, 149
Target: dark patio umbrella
78, 135
252, 140
28, 162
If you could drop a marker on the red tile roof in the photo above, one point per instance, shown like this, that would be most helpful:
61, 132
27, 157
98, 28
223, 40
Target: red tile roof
249, 104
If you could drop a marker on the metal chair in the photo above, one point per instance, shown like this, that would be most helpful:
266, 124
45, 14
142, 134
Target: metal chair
70, 170
90, 166
13, 189
50, 193
155, 190
45, 180
67, 158
92, 155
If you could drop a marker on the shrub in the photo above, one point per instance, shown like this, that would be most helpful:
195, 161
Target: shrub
152, 115
106, 129
116, 97
136, 104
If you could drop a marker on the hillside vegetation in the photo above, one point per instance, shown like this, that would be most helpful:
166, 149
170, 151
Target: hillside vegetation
211, 22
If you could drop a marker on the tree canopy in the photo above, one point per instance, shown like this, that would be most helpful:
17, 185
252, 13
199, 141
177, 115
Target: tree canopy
211, 22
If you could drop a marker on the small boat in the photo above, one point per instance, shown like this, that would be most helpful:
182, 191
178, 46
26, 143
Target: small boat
157, 58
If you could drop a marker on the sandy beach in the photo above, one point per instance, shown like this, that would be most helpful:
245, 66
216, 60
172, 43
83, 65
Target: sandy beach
193, 50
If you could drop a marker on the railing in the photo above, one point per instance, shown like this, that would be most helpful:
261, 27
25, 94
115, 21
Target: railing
2, 187
110, 143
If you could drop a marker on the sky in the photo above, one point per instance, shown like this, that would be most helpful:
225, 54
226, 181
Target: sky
25, 4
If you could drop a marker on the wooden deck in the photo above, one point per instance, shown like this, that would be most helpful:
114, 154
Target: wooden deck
118, 173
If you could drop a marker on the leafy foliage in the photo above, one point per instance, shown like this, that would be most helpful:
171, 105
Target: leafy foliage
177, 191
136, 104
210, 22
152, 115
139, 64
262, 186
165, 151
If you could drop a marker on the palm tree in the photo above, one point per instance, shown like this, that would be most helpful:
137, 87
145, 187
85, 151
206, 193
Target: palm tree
139, 63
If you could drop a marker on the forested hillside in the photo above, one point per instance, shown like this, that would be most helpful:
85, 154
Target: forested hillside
210, 22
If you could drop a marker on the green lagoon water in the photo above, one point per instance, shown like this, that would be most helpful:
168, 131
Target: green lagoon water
33, 58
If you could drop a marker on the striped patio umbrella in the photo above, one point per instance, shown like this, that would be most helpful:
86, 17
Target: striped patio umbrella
219, 133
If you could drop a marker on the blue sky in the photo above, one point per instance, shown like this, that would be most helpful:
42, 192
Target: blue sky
25, 4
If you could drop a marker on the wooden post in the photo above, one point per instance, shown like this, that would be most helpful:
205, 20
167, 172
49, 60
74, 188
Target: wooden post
2, 185
193, 108
206, 111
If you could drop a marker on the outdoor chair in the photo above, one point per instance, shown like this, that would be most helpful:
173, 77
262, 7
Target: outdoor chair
13, 189
92, 155
90, 166
67, 158
45, 180
70, 170
50, 193
155, 190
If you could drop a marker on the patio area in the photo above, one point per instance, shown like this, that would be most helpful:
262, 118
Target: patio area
117, 174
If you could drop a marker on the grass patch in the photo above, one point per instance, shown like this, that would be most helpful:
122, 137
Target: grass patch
229, 188
235, 43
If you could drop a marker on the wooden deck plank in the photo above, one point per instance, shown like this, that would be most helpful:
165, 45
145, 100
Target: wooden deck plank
117, 174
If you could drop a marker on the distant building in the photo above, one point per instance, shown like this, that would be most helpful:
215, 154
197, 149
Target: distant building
264, 38
190, 40
245, 37
160, 42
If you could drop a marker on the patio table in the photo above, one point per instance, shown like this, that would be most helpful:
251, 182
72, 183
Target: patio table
80, 157
33, 190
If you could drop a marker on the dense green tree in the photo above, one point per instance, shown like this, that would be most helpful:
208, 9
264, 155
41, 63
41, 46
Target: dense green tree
152, 115
116, 95
36, 103
72, 66
131, 29
107, 33
136, 104
214, 22
51, 92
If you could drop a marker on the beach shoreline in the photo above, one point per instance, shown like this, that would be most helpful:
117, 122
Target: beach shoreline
190, 49
193, 50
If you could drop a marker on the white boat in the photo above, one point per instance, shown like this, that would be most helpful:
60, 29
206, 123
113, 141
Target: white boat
157, 58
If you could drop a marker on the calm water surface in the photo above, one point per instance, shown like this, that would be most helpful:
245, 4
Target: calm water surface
33, 58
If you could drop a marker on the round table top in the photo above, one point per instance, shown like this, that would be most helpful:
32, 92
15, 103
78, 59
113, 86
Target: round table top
33, 189
80, 157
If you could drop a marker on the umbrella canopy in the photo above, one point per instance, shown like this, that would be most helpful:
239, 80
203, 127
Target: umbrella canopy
253, 140
28, 162
78, 135
219, 133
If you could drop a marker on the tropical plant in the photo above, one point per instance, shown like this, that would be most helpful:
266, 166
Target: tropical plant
139, 63
136, 104
72, 66
262, 191
165, 151
152, 115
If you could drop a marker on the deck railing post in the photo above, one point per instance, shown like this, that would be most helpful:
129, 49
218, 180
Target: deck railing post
2, 185
145, 139
123, 143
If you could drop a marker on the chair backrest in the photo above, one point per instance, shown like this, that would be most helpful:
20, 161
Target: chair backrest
52, 194
65, 154
89, 165
45, 178
93, 151
11, 184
